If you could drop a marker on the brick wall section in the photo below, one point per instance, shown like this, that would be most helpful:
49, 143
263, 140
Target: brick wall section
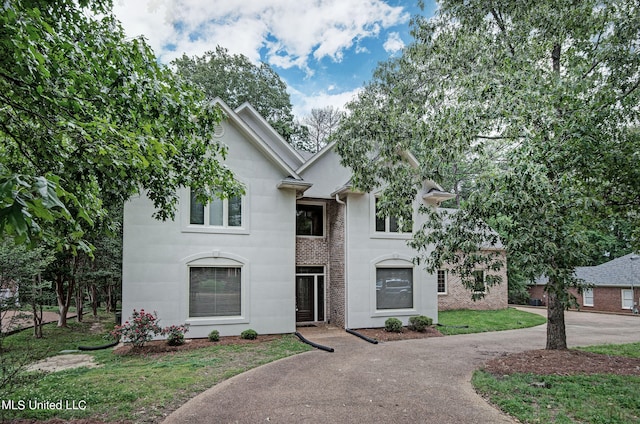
605, 299
337, 290
458, 297
329, 252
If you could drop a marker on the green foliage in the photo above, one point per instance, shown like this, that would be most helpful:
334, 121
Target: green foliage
234, 79
630, 350
528, 94
214, 336
393, 325
419, 323
140, 328
175, 334
249, 334
90, 118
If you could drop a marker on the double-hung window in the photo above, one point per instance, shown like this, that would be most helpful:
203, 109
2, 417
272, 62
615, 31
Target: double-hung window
222, 213
587, 297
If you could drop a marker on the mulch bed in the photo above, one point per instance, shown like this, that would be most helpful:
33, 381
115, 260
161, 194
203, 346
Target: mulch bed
384, 336
562, 362
161, 346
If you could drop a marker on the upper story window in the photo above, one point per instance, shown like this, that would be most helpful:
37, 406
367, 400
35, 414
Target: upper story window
391, 224
310, 219
225, 213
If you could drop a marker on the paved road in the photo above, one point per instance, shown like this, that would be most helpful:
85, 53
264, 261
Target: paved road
413, 381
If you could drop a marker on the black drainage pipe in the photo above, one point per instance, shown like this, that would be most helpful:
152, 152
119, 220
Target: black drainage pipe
107, 346
362, 336
317, 346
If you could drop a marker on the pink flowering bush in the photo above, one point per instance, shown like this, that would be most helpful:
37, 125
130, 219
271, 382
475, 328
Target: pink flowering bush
175, 334
140, 328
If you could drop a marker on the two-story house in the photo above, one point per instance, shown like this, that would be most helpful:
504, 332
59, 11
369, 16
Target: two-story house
299, 247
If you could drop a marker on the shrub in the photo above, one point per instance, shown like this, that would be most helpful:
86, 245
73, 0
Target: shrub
419, 323
249, 334
140, 328
393, 325
175, 334
214, 336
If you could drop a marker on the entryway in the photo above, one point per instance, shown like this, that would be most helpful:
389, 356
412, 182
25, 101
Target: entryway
310, 294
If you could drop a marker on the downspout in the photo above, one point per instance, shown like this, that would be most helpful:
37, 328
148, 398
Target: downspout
346, 262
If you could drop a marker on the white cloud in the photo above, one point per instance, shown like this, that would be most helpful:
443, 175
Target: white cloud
293, 32
394, 43
303, 102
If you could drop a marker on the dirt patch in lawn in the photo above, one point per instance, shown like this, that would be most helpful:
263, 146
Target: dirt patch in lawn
562, 362
63, 362
381, 335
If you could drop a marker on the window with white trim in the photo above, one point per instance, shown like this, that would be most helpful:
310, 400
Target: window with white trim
627, 299
222, 213
442, 281
215, 291
587, 297
394, 288
479, 283
391, 224
310, 219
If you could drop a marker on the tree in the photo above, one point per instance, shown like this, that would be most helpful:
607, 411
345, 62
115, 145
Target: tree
89, 118
555, 85
21, 269
321, 123
236, 80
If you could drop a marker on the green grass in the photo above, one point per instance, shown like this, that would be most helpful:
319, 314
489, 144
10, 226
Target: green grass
595, 399
133, 387
466, 321
630, 350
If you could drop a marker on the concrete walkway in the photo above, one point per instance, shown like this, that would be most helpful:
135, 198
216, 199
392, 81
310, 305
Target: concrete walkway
412, 381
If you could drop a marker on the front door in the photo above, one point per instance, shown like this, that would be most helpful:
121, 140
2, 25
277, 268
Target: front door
309, 293
304, 298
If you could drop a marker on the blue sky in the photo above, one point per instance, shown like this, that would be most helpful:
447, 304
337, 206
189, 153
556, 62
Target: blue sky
325, 50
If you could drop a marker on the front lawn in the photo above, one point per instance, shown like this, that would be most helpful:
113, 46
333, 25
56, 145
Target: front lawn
466, 321
606, 397
128, 387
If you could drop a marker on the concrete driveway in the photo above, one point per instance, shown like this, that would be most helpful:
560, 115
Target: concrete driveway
413, 381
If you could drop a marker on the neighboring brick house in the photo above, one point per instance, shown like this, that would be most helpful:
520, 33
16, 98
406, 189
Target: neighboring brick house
453, 295
613, 286
299, 247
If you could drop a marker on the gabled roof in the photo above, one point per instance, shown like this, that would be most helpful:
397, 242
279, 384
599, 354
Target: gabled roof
620, 272
316, 156
270, 147
264, 130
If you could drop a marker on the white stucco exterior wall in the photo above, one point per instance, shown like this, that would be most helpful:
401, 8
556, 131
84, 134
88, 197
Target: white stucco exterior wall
157, 254
367, 249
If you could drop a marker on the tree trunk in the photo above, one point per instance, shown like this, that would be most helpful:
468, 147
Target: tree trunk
36, 307
556, 332
94, 300
64, 298
109, 305
79, 302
